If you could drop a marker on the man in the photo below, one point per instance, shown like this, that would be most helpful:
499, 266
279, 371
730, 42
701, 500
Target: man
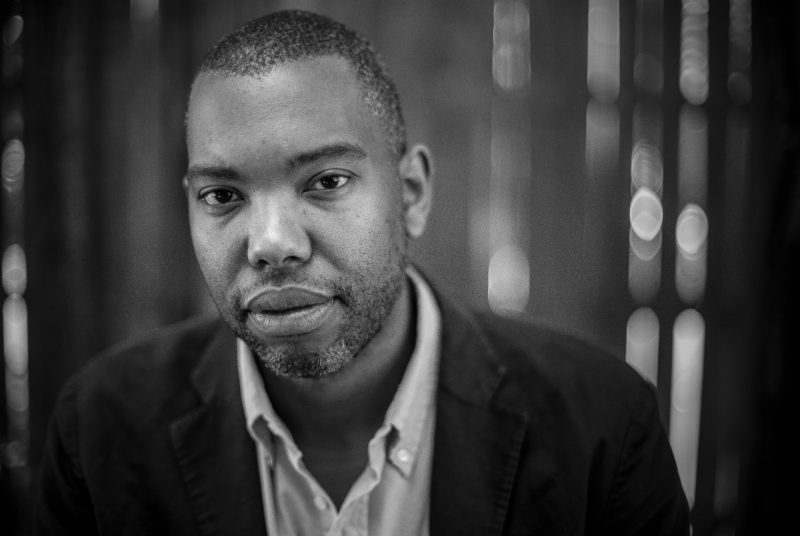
341, 395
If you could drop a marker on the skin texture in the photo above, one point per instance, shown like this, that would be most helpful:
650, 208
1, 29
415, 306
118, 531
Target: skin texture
291, 185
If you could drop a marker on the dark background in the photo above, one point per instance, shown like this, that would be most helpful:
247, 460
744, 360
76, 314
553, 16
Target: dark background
96, 91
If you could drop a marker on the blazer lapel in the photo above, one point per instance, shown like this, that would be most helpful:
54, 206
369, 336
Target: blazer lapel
478, 438
216, 455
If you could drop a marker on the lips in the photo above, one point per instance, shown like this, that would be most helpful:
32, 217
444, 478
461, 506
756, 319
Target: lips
284, 299
288, 311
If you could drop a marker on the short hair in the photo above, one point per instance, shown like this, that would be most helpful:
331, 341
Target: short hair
256, 47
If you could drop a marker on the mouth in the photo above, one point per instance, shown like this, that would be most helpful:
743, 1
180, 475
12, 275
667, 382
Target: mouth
288, 312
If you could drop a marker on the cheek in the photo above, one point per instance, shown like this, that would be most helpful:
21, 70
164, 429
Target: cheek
377, 236
213, 256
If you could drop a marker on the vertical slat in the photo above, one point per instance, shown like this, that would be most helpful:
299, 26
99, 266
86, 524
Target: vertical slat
62, 198
713, 306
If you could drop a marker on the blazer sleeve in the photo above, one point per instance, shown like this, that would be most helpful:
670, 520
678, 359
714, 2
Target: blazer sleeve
647, 498
62, 502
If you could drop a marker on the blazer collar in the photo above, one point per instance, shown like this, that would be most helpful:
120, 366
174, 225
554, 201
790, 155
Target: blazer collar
480, 427
217, 457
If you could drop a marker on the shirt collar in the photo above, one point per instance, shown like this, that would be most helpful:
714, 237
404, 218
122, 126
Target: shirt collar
259, 414
412, 404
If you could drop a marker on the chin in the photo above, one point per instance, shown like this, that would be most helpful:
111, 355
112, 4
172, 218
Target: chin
293, 362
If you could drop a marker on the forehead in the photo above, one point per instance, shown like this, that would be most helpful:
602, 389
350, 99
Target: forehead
297, 105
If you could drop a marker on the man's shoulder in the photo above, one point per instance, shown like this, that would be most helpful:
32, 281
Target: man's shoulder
176, 344
545, 363
571, 390
527, 342
151, 367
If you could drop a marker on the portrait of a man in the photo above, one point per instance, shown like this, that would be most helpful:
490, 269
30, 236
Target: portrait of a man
397, 268
341, 394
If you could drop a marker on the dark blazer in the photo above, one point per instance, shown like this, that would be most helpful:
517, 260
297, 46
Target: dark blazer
536, 433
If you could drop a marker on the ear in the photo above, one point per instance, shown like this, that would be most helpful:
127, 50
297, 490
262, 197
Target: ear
416, 174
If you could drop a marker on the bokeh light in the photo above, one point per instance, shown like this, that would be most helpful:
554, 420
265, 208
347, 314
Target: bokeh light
647, 168
511, 59
602, 65
12, 30
691, 230
687, 381
646, 214
692, 155
691, 236
14, 270
739, 52
693, 81
509, 280
641, 346
13, 165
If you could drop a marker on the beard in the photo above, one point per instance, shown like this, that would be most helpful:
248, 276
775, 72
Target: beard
367, 302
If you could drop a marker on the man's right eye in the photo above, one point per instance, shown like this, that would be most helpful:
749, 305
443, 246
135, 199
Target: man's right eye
218, 197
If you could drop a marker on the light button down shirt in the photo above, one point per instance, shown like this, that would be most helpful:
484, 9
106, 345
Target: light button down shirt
391, 496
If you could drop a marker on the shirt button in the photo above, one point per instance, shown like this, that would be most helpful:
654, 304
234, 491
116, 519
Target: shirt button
403, 456
320, 502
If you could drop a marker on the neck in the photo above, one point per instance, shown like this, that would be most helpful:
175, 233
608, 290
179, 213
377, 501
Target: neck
347, 407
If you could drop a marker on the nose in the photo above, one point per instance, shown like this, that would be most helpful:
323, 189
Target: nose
276, 235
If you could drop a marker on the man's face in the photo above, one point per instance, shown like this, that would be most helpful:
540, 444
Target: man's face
296, 212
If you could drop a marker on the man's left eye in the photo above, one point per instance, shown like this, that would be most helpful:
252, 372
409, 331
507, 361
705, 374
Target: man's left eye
329, 182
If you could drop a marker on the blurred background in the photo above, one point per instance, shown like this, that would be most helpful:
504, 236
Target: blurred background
626, 171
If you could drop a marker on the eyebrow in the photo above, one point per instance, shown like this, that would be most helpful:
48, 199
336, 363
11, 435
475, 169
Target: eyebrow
210, 171
334, 150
